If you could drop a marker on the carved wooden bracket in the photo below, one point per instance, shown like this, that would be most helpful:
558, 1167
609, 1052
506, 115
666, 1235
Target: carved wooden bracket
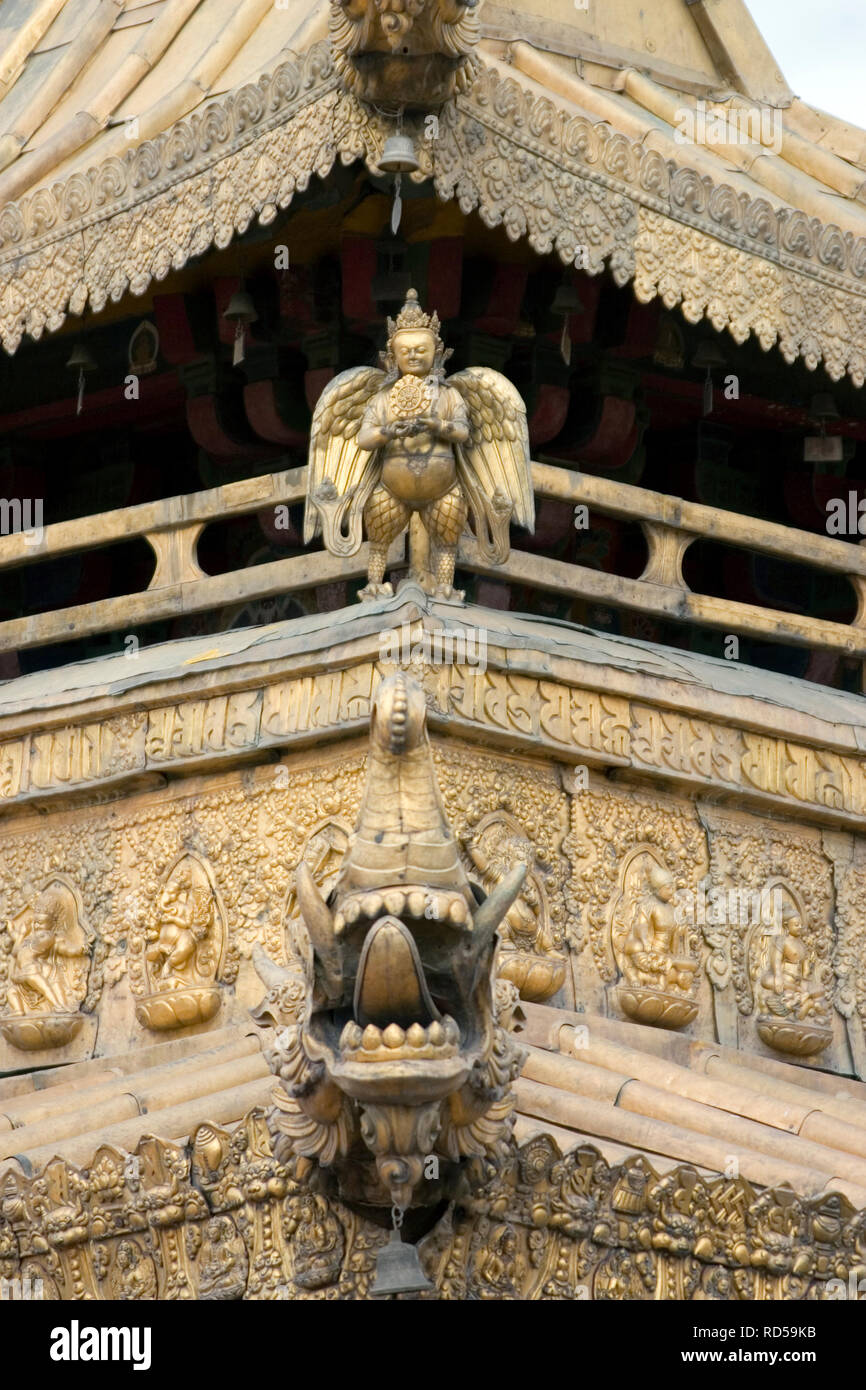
210, 428
265, 406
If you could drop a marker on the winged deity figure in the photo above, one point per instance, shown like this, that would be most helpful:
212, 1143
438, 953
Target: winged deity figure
403, 444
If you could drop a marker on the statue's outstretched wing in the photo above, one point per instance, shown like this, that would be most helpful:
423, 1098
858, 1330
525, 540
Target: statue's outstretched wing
494, 462
341, 475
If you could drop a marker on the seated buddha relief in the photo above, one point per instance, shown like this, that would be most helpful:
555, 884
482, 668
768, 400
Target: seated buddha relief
650, 945
788, 977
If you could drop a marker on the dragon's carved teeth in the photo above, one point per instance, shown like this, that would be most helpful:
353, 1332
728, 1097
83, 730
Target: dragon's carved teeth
393, 1036
437, 1042
351, 1036
445, 906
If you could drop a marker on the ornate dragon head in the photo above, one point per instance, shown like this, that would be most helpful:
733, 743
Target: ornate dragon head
394, 1052
413, 52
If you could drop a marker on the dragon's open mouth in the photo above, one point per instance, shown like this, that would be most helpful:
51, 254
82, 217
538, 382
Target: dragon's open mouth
399, 1046
408, 1011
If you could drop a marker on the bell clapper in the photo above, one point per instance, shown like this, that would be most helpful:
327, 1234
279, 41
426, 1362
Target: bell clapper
397, 209
80, 361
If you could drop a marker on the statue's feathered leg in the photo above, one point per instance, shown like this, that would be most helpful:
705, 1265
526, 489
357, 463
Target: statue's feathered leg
384, 518
445, 519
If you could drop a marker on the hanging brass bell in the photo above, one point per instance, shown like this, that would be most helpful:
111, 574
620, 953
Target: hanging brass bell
241, 308
398, 156
398, 1270
566, 302
80, 359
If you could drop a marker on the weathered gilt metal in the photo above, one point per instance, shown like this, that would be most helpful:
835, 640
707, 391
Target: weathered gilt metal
391, 445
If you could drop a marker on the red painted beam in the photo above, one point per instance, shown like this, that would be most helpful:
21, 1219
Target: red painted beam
161, 399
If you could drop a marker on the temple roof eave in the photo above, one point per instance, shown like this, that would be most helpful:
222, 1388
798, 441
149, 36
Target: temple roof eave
768, 248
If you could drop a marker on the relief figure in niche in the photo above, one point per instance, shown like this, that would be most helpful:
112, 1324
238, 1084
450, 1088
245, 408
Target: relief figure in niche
186, 912
654, 951
48, 971
135, 1273
317, 1241
185, 945
530, 954
789, 978
223, 1262
789, 982
651, 945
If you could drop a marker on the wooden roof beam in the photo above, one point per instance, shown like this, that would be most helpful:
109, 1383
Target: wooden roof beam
24, 40
738, 49
86, 124
57, 81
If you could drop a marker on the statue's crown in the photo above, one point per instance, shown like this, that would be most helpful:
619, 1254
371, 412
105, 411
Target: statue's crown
413, 316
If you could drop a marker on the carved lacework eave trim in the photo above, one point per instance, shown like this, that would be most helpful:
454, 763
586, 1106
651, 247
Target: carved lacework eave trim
579, 1225
558, 180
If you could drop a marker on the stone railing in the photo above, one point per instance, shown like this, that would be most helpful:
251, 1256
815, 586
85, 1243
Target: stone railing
179, 586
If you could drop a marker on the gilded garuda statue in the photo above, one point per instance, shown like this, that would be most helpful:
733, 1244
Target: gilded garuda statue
394, 1048
401, 443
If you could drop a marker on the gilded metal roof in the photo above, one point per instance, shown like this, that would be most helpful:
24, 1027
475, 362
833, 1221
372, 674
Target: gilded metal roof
660, 140
625, 1088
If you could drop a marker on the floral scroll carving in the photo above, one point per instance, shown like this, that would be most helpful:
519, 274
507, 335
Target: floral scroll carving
546, 174
235, 1222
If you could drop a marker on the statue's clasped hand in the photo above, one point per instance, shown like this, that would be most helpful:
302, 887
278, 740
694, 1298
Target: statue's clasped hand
418, 424
427, 422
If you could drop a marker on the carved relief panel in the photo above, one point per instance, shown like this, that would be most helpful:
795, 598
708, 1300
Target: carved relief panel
44, 966
767, 917
173, 888
651, 945
848, 853
178, 953
504, 813
789, 975
637, 860
154, 903
532, 951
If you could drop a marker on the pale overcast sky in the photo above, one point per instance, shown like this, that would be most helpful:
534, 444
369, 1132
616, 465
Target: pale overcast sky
821, 49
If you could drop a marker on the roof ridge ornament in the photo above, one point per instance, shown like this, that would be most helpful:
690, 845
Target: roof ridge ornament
394, 1041
417, 53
